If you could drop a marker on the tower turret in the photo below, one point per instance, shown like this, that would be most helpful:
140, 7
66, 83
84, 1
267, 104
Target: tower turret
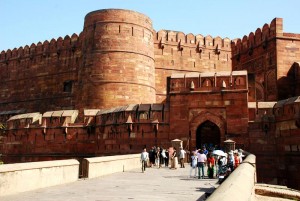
118, 59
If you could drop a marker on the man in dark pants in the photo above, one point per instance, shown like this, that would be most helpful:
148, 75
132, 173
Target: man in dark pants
181, 157
144, 159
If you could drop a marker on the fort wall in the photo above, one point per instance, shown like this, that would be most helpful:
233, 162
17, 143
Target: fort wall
35, 78
176, 52
220, 98
122, 130
270, 54
287, 74
257, 54
118, 61
274, 137
114, 44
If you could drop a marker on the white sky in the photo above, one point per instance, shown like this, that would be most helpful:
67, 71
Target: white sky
24, 22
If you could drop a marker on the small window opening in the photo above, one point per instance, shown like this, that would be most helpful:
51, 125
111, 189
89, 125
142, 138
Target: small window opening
68, 86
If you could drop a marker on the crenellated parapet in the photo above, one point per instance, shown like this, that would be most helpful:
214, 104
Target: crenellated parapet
257, 53
60, 47
287, 114
61, 131
176, 52
39, 72
198, 42
133, 121
261, 38
29, 62
128, 115
24, 120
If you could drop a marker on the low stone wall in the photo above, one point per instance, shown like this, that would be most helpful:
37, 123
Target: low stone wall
240, 184
99, 166
21, 177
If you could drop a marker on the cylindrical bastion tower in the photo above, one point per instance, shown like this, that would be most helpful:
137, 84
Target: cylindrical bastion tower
118, 59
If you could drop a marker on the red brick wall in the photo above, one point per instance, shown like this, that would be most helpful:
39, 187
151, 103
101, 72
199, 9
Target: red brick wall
257, 54
176, 52
32, 78
119, 59
118, 68
288, 52
227, 109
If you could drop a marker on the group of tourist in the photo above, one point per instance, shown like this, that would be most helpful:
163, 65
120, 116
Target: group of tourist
199, 159
156, 157
159, 157
214, 162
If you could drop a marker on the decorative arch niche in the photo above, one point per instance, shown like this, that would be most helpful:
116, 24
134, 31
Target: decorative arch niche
206, 116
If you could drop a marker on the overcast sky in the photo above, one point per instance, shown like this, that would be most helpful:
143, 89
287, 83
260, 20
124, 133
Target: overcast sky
24, 22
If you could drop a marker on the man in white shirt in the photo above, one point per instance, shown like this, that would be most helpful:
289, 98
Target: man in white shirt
181, 157
201, 162
144, 159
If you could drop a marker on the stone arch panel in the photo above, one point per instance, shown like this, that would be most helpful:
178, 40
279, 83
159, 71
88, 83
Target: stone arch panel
203, 117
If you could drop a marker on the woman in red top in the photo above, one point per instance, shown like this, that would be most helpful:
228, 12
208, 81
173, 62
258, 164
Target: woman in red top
210, 166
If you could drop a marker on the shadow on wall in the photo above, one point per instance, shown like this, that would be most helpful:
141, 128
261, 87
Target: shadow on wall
287, 85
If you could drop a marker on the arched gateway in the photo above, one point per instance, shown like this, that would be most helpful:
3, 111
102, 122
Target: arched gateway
207, 133
207, 128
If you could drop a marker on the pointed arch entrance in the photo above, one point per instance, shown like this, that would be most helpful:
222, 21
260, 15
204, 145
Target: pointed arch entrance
207, 121
207, 134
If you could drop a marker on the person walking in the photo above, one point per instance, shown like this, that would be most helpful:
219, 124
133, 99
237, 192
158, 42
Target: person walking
144, 159
182, 157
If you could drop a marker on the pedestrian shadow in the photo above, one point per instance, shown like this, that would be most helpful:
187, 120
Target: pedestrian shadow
206, 189
174, 176
205, 179
207, 192
203, 197
133, 171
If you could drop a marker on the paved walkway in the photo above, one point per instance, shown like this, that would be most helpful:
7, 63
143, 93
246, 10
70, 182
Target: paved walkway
155, 184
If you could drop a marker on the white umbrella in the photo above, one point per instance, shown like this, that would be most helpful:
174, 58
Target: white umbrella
219, 153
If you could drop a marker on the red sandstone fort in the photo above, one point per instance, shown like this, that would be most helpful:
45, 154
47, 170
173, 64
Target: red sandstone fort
120, 86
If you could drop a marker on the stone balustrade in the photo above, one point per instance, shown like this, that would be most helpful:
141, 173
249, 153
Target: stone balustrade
100, 166
21, 177
240, 184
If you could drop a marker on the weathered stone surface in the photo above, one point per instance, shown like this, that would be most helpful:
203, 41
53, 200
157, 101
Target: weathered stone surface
152, 87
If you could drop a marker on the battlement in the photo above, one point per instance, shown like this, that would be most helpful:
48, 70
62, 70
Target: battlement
55, 46
129, 114
199, 42
260, 37
208, 82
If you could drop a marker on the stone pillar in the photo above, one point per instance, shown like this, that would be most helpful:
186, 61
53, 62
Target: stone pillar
177, 144
229, 145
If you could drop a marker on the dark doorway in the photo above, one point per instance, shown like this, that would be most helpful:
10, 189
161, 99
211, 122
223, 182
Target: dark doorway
207, 134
